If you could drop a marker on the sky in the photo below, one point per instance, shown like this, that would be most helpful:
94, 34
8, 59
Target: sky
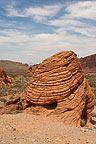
32, 30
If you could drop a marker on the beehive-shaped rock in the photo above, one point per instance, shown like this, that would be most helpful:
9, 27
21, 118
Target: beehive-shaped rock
59, 79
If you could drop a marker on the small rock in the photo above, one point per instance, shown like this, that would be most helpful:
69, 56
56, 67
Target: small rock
13, 136
34, 140
83, 129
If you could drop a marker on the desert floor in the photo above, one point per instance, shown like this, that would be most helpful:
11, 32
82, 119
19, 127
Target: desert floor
27, 129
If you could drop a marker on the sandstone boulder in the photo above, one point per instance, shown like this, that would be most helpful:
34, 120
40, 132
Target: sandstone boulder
58, 85
4, 79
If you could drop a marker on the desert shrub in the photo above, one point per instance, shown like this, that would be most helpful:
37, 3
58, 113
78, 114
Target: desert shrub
94, 90
11, 97
19, 81
17, 86
29, 75
2, 99
1, 107
12, 109
95, 102
90, 76
82, 122
94, 114
18, 111
92, 82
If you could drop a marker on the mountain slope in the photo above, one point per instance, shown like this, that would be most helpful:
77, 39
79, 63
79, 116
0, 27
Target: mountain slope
13, 67
89, 63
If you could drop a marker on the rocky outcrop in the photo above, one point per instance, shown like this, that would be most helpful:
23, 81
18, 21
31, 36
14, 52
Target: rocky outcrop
58, 85
89, 64
32, 69
4, 79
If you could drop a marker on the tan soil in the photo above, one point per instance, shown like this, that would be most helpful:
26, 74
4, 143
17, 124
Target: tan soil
27, 129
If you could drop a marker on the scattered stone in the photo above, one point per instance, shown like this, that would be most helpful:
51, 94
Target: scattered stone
83, 129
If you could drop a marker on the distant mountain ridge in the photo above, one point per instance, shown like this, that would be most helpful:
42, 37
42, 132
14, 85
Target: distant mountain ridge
89, 63
13, 67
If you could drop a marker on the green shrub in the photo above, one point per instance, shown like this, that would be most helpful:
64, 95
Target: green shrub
1, 107
82, 122
18, 111
92, 82
94, 114
12, 109
17, 86
2, 99
29, 75
11, 97
95, 102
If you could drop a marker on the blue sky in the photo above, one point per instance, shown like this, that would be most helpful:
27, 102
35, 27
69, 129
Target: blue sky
32, 30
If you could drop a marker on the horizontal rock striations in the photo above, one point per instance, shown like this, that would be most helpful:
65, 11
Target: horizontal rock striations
59, 81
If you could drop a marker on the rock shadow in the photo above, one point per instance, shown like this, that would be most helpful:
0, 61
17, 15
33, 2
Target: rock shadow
51, 106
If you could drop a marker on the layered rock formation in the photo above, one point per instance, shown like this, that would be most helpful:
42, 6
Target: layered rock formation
4, 79
89, 64
32, 69
58, 85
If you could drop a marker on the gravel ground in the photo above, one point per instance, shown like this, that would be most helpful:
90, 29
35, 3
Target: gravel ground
27, 129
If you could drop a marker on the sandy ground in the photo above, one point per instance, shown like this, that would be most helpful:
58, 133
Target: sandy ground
27, 129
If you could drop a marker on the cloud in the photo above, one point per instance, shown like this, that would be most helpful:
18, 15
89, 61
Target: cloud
43, 11
12, 12
84, 31
73, 20
71, 32
37, 13
12, 36
37, 47
85, 9
65, 22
